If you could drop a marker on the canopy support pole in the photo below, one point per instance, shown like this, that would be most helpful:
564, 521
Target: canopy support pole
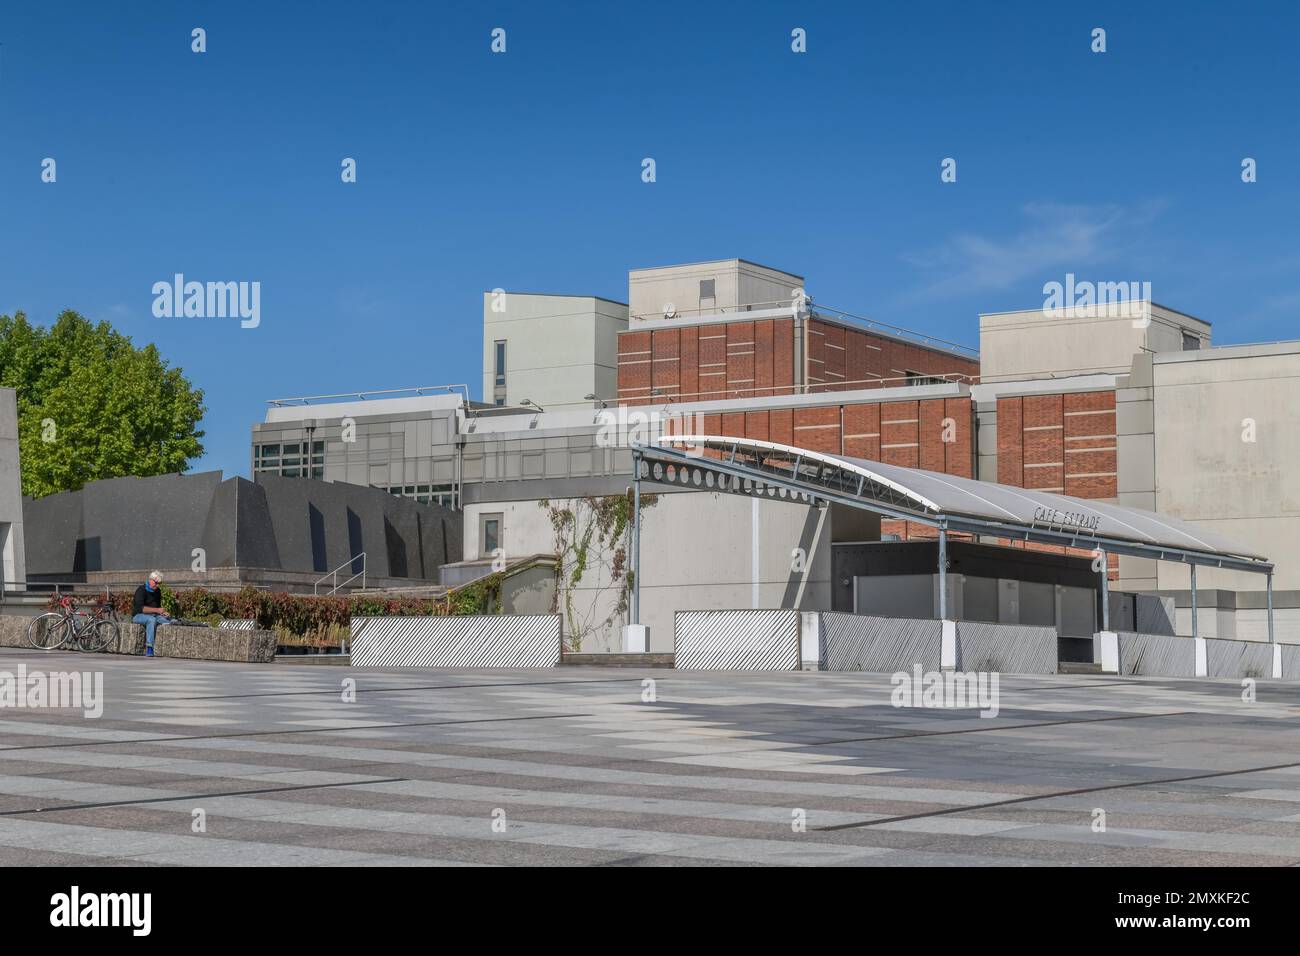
943, 574
636, 541
1105, 591
1195, 623
1271, 638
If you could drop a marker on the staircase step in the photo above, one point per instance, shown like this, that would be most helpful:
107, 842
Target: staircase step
620, 660
1077, 667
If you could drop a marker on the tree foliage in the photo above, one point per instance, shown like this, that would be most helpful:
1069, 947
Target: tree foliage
91, 405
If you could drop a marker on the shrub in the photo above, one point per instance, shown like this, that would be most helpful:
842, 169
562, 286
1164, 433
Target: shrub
307, 616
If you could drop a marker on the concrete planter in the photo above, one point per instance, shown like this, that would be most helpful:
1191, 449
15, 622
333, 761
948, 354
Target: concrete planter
195, 643
214, 644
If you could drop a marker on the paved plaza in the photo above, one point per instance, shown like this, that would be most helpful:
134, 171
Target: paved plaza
571, 766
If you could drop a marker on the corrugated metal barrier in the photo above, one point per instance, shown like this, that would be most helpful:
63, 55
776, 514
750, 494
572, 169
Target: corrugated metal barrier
759, 640
488, 640
1006, 648
855, 642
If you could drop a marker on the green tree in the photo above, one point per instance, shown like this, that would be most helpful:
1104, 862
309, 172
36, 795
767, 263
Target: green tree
91, 405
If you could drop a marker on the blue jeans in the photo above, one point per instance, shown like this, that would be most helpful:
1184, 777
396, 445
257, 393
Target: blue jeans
150, 621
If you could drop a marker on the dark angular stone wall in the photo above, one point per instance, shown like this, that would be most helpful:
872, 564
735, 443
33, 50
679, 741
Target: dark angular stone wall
289, 524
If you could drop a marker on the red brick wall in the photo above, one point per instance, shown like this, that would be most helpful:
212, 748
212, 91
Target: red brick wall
756, 359
901, 433
1060, 443
917, 430
837, 355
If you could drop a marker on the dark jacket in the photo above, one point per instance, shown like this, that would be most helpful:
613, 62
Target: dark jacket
145, 598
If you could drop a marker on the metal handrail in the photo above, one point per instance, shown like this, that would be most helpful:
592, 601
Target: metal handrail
418, 390
868, 324
58, 587
790, 391
742, 307
919, 337
315, 588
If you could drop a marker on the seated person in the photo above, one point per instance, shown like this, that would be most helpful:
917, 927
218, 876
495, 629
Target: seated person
146, 609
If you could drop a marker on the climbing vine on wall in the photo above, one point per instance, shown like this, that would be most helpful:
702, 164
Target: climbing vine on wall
591, 537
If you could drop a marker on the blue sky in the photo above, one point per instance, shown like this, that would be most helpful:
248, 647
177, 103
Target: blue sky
522, 170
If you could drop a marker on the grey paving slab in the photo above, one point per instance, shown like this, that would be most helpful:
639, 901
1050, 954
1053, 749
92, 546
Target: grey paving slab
729, 769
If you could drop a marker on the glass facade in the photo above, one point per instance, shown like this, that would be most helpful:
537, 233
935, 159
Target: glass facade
425, 494
290, 459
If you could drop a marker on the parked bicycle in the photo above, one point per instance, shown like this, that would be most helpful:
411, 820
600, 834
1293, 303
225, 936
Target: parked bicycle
91, 632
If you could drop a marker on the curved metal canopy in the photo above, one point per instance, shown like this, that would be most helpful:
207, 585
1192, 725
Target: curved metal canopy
948, 501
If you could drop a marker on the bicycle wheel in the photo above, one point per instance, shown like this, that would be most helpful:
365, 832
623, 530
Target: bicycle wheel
99, 637
48, 631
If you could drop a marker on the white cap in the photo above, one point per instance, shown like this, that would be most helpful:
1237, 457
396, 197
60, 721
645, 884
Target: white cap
155, 576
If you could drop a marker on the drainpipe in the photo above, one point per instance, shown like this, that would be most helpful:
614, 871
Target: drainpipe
635, 604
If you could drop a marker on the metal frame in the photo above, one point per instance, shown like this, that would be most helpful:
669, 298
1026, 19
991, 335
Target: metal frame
763, 470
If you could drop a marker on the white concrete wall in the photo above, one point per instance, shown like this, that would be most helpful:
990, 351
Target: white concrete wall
700, 551
1207, 474
558, 347
1034, 343
12, 543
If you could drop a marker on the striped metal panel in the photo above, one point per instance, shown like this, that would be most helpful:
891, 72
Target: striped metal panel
1291, 661
1006, 648
856, 642
1238, 658
762, 640
1156, 655
489, 640
238, 625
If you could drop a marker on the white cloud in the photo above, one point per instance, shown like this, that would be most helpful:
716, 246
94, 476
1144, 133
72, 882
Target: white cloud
1054, 239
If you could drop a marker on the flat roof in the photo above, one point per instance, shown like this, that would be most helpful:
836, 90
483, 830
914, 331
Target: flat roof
1240, 351
710, 262
558, 295
1067, 308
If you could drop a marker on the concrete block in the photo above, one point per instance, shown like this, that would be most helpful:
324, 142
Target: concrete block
214, 644
1108, 644
636, 639
13, 633
948, 646
810, 644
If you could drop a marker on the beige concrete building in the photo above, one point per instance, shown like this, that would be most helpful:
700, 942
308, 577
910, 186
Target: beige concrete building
1226, 426
705, 288
550, 349
1055, 343
1122, 402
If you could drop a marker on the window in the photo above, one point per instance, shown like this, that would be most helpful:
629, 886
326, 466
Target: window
499, 373
489, 535
920, 378
1191, 343
425, 494
290, 459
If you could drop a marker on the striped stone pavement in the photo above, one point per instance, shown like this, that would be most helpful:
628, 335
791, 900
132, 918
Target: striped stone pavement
570, 766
